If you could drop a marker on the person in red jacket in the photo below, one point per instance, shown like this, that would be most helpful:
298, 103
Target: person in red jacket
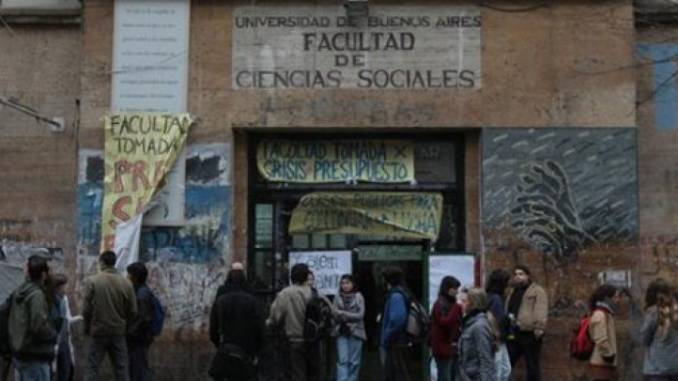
446, 328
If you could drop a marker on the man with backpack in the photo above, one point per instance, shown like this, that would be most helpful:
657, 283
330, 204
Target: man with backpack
32, 332
237, 331
394, 338
109, 308
143, 328
289, 309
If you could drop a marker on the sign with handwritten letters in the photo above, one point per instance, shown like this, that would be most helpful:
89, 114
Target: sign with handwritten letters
435, 47
399, 214
327, 267
140, 149
327, 161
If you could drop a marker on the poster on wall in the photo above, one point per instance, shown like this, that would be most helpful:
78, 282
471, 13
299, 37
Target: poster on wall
461, 267
319, 47
139, 150
331, 161
397, 214
327, 266
150, 74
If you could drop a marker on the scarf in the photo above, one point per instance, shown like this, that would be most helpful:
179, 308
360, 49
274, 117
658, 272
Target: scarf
347, 300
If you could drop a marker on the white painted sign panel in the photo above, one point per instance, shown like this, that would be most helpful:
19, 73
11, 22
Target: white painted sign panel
327, 266
150, 74
319, 47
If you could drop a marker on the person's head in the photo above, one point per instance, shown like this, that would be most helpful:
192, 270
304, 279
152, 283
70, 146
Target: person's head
449, 286
37, 268
237, 266
606, 293
107, 259
237, 278
475, 299
59, 282
310, 279
299, 273
521, 275
347, 284
393, 276
497, 282
658, 290
137, 273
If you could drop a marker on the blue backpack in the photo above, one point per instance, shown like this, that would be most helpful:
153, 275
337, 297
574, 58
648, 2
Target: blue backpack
158, 315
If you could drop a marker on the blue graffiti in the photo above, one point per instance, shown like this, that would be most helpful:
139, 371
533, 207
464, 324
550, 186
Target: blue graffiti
664, 57
204, 237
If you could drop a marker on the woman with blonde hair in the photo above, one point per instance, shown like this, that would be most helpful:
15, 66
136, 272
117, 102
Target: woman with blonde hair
660, 333
478, 339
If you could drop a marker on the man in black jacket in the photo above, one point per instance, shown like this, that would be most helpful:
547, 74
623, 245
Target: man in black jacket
237, 325
140, 334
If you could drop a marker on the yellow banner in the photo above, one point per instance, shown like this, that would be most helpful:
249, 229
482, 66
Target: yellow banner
140, 149
398, 214
328, 161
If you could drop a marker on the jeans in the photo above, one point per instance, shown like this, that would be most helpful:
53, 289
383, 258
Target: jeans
31, 370
349, 354
502, 363
447, 369
138, 362
525, 343
116, 348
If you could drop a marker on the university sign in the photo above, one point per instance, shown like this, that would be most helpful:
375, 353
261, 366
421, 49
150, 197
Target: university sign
396, 47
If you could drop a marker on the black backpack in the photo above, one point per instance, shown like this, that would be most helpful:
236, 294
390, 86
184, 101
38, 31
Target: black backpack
317, 318
5, 346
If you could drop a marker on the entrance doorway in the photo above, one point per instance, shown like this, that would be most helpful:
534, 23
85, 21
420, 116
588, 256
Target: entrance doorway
270, 208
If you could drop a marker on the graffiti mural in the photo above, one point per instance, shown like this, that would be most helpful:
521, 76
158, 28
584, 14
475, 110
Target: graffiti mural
561, 190
205, 234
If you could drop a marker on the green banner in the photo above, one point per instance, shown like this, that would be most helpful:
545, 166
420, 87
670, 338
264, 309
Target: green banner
397, 214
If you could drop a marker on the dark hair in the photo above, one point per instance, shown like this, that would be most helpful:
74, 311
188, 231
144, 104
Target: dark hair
108, 258
299, 273
393, 275
497, 282
139, 272
350, 278
37, 265
654, 289
601, 293
447, 283
524, 268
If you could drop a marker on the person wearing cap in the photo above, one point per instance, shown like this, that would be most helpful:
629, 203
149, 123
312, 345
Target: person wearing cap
527, 311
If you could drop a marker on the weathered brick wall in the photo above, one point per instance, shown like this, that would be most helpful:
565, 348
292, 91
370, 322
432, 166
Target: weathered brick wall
39, 68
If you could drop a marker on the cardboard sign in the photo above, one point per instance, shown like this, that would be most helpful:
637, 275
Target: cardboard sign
327, 266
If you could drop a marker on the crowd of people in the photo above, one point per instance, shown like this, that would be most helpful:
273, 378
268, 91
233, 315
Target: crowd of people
476, 334
118, 314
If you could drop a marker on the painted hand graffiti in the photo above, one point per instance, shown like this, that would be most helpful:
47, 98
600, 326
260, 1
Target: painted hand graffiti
546, 216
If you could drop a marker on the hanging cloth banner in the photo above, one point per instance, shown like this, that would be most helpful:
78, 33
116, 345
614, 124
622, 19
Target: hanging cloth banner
140, 149
398, 214
330, 161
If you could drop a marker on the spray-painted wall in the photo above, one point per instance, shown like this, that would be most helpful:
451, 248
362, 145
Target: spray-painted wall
564, 201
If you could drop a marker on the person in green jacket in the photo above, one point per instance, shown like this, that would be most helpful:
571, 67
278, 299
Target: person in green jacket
33, 334
109, 308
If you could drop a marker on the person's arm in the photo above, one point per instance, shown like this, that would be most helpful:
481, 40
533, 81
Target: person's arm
496, 306
541, 311
598, 332
277, 313
132, 309
260, 323
483, 341
87, 306
358, 315
397, 316
215, 334
141, 325
39, 323
649, 327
